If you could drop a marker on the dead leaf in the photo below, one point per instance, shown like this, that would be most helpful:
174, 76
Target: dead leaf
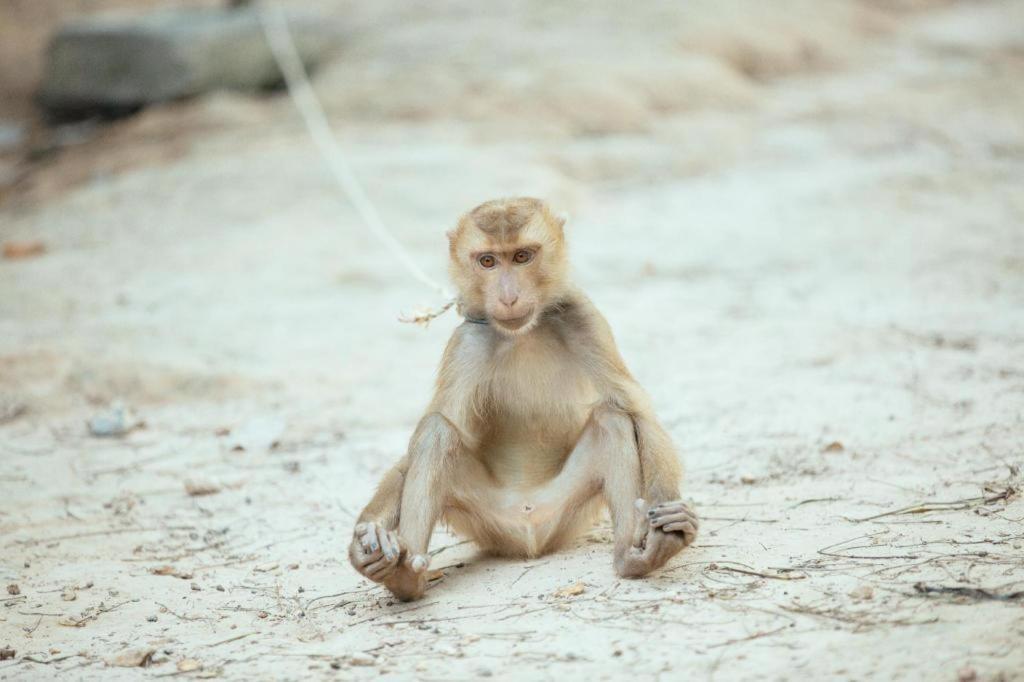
19, 250
133, 658
571, 591
834, 446
167, 569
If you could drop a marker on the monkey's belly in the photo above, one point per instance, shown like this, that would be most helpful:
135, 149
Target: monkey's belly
521, 529
529, 502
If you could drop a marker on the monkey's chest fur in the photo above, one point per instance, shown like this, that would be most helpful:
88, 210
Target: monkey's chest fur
531, 407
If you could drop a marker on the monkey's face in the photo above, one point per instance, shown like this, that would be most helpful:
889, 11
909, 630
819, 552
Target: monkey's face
508, 260
508, 283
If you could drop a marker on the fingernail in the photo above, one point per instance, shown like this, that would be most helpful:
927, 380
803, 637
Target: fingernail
650, 512
374, 546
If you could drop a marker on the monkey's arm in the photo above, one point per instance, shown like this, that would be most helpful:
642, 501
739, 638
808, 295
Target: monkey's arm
660, 467
385, 507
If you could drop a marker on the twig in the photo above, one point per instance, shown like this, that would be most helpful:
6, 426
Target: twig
975, 593
954, 505
756, 635
750, 571
230, 639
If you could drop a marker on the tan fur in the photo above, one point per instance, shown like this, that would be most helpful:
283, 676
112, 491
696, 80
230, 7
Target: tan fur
535, 420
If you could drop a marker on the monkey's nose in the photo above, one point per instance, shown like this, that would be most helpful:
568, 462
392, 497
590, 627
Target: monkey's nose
509, 300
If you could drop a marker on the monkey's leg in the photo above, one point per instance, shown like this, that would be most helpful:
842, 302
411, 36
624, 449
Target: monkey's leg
434, 453
606, 458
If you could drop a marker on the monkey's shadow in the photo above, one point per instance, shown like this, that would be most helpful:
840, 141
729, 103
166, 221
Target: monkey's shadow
463, 566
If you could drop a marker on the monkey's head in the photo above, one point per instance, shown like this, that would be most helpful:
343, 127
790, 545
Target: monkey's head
508, 261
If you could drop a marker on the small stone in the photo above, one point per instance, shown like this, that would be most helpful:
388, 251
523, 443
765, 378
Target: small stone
13, 589
195, 488
188, 665
220, 588
118, 62
966, 674
117, 421
573, 590
262, 614
6, 652
863, 593
151, 619
362, 659
69, 594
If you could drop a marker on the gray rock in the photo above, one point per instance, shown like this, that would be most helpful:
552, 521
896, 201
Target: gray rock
119, 63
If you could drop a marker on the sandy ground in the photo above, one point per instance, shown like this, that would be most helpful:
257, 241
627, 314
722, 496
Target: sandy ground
805, 226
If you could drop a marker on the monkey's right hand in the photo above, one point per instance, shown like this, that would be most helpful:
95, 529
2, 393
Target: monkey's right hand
376, 552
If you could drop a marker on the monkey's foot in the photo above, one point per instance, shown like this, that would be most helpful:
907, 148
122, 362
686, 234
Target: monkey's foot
381, 555
663, 530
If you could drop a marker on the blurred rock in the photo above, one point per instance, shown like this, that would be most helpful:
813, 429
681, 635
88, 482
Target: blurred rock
114, 64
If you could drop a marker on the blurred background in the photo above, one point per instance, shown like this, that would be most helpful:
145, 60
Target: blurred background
804, 220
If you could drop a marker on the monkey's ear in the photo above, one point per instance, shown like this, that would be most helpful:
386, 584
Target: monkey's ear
450, 234
562, 217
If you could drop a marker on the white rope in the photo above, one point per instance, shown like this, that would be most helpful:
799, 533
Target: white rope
279, 38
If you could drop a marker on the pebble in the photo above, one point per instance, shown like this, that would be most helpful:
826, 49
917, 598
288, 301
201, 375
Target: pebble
362, 659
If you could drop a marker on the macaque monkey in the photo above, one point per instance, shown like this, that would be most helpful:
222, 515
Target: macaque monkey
535, 422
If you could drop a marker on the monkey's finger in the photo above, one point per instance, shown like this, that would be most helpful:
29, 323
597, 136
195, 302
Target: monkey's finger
373, 570
396, 542
674, 507
688, 530
385, 544
359, 529
370, 540
660, 521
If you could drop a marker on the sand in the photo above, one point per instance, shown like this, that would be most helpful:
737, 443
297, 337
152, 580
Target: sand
804, 225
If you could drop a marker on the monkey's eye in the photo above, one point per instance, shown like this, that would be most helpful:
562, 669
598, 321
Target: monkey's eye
522, 256
487, 261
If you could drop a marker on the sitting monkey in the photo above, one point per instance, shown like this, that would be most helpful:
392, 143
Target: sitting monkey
535, 421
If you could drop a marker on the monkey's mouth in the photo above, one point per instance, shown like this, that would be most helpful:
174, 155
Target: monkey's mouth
514, 323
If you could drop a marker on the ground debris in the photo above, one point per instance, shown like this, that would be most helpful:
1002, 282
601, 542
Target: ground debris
167, 569
969, 593
117, 421
361, 658
13, 589
6, 652
197, 488
133, 658
571, 591
25, 249
187, 665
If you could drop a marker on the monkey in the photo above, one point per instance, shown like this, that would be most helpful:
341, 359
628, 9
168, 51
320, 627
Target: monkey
535, 423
